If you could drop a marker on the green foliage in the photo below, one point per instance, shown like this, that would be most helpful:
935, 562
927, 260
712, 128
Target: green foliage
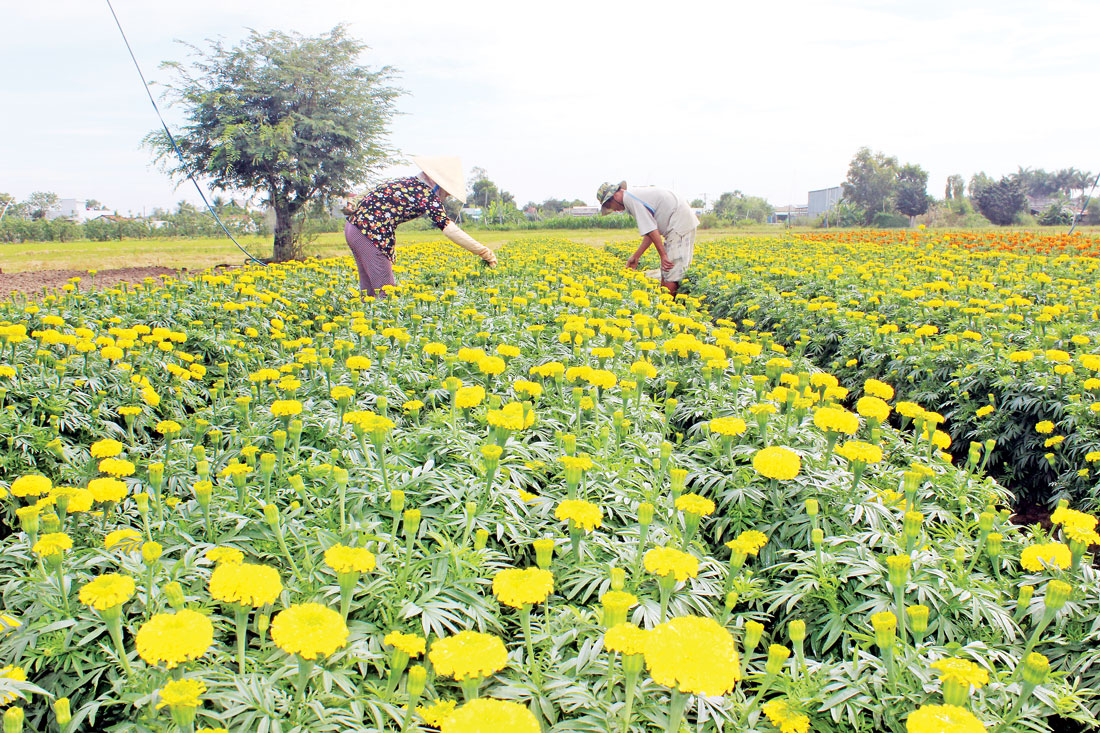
737, 207
871, 182
1000, 202
911, 192
1055, 215
886, 220
292, 116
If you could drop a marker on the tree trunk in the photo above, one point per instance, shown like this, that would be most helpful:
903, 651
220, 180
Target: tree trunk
284, 232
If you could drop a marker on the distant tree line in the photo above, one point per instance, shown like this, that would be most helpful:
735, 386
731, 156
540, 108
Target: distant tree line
879, 191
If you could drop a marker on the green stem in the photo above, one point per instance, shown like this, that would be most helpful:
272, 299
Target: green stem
676, 711
525, 621
241, 617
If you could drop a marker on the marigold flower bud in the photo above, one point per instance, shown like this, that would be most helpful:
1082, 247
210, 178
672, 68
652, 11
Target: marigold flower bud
985, 522
912, 524
1036, 667
62, 712
797, 630
51, 522
731, 600
678, 478
397, 500
173, 592
754, 630
898, 570
918, 618
544, 552
412, 522
817, 536
13, 720
279, 438
151, 552
777, 657
812, 507
271, 514
481, 538
993, 544
1023, 600
645, 513
666, 450
142, 501
1058, 593
618, 578
418, 678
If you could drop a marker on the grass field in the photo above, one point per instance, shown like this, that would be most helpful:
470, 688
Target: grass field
207, 252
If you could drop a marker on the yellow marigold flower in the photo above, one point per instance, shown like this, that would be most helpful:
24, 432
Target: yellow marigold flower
485, 715
344, 559
512, 416
518, 588
127, 539
1086, 537
941, 440
309, 630
777, 462
984, 410
52, 544
695, 504
625, 638
910, 410
230, 555
875, 388
943, 719
858, 451
753, 539
727, 426
168, 427
643, 369
784, 717
962, 671
31, 485
585, 515
468, 655
1073, 518
245, 584
412, 405
1052, 554
107, 489
174, 638
117, 467
836, 420
579, 462
663, 561
437, 712
11, 672
527, 388
873, 407
107, 591
185, 693
106, 448
411, 644
358, 363
434, 348
286, 408
1045, 427
694, 655
468, 397
491, 365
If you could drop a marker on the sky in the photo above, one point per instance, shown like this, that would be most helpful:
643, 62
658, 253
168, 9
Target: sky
772, 99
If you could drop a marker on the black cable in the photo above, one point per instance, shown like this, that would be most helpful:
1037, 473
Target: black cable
172, 140
1085, 205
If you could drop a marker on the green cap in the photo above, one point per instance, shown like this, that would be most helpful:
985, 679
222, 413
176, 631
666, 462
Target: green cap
607, 190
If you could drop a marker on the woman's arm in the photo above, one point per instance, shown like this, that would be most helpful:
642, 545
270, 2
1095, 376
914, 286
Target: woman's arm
454, 233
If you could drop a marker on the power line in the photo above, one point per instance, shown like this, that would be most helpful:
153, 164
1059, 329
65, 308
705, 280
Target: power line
172, 139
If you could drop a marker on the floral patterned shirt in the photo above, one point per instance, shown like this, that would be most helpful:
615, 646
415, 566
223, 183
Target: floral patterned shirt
393, 202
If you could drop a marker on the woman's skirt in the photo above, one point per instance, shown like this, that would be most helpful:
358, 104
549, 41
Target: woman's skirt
375, 269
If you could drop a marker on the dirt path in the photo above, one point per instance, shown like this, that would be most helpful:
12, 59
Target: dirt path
34, 282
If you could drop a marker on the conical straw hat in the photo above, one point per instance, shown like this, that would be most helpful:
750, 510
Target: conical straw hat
446, 170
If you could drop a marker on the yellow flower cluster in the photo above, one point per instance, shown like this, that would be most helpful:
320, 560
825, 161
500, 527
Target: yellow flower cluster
344, 559
693, 654
777, 462
245, 584
584, 515
468, 655
309, 630
518, 588
663, 561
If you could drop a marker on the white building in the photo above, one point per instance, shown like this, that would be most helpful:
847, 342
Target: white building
822, 200
77, 210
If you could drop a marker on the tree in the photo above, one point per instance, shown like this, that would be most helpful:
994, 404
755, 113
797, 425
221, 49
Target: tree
698, 204
871, 181
482, 190
7, 202
1000, 202
956, 188
736, 206
93, 205
911, 194
287, 115
978, 181
39, 202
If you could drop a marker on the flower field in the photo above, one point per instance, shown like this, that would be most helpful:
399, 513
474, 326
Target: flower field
540, 497
999, 331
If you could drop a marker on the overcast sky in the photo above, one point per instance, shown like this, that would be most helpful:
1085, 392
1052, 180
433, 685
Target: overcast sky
554, 98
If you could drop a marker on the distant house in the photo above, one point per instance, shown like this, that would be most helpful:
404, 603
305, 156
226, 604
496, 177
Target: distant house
471, 213
822, 200
789, 212
581, 211
75, 210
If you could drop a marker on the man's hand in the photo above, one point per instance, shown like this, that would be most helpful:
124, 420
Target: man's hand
632, 263
666, 263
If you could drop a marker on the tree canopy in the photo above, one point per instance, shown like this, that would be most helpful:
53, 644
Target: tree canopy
291, 116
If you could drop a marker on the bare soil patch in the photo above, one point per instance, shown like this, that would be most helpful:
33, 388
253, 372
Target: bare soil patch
34, 282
